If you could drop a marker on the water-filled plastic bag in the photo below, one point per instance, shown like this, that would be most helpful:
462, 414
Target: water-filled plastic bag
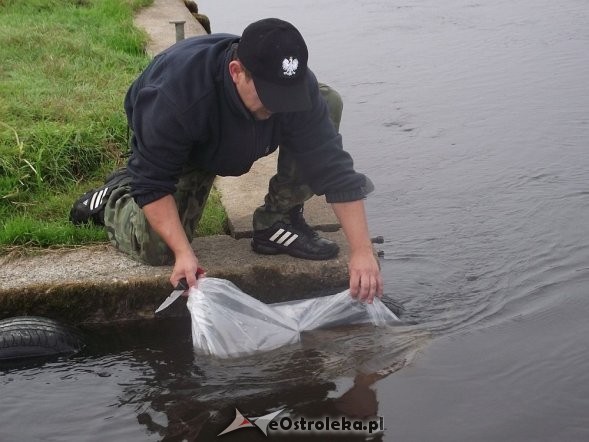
227, 322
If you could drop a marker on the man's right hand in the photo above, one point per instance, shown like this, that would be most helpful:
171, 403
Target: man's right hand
186, 266
162, 215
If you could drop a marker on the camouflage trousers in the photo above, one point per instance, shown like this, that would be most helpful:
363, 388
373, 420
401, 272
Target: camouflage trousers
130, 232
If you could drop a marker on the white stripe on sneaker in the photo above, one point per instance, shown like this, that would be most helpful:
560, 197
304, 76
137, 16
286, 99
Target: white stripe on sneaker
97, 199
283, 237
289, 242
94, 195
276, 235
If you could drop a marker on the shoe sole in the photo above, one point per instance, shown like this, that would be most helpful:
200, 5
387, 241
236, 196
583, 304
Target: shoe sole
269, 250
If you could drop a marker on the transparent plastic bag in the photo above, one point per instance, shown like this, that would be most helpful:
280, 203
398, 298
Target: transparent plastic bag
227, 322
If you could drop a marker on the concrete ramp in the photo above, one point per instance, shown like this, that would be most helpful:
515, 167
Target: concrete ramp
155, 20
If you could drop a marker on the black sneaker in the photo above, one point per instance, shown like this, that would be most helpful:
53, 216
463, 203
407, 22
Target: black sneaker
296, 239
90, 206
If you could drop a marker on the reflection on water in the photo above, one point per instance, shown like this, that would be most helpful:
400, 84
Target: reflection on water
471, 118
145, 383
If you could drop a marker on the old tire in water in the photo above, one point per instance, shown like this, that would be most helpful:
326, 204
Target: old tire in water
25, 337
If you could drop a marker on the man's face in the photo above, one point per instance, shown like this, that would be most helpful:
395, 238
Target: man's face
247, 91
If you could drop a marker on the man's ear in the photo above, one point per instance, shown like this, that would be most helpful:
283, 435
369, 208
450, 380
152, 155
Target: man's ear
235, 68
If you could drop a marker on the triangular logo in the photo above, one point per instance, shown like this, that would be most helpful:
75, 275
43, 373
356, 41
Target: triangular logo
238, 422
261, 422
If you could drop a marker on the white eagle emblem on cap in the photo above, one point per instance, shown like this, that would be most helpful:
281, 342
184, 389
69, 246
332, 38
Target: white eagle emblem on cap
290, 65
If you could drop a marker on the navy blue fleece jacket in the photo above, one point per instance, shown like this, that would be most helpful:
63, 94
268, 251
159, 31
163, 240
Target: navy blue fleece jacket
184, 110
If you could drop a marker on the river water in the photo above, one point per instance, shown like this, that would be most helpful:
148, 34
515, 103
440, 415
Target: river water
472, 118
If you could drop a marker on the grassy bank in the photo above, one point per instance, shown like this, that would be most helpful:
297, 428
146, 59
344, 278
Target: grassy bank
66, 65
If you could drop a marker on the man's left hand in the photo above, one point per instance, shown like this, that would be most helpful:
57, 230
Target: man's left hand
365, 278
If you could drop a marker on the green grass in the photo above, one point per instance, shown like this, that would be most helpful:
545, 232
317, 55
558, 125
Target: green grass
66, 66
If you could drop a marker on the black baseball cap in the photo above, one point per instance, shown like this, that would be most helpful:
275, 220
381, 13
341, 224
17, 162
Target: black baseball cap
276, 55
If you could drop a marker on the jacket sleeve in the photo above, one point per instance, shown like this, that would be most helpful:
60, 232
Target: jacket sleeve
161, 146
317, 148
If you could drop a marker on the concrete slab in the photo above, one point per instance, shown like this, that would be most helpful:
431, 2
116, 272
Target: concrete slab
100, 284
155, 20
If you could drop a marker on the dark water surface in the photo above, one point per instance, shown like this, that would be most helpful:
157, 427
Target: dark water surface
472, 118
